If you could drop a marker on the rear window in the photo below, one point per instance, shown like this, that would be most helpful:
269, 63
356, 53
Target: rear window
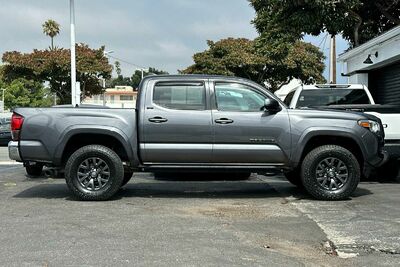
327, 97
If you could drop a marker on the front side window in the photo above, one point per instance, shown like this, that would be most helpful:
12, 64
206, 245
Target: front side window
182, 96
238, 97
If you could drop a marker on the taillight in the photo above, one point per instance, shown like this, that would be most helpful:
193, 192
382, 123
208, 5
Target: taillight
16, 125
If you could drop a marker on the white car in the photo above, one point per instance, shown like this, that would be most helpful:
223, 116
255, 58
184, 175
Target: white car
352, 97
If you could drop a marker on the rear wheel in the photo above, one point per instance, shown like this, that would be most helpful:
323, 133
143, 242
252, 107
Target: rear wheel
34, 169
94, 172
330, 173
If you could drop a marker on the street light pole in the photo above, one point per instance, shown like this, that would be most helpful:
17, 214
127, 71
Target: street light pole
143, 70
73, 55
4, 92
105, 53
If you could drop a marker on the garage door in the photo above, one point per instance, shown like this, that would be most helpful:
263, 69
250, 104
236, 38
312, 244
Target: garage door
384, 84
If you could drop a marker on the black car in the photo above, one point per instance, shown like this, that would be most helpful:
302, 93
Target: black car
5, 132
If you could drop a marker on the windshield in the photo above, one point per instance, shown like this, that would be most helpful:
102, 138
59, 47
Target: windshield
327, 97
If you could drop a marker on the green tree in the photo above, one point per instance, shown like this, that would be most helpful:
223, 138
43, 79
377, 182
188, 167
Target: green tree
51, 28
357, 20
246, 58
25, 93
118, 68
135, 79
53, 67
137, 76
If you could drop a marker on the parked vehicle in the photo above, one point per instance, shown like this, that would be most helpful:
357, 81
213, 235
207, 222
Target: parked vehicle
5, 131
194, 123
353, 97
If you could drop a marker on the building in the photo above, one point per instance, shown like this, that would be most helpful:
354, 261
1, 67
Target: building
376, 64
118, 97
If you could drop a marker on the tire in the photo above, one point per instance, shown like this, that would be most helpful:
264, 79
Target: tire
34, 169
294, 177
100, 176
127, 177
344, 171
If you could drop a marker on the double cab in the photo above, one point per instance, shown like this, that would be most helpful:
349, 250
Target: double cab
198, 123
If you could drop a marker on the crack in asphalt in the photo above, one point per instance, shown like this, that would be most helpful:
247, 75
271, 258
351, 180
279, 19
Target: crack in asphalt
340, 249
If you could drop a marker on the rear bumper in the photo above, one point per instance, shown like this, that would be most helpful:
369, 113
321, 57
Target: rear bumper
13, 151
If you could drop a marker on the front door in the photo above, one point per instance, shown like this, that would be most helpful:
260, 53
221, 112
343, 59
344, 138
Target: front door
176, 123
243, 131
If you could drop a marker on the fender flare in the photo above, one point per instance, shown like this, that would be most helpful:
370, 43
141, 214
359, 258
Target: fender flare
312, 132
94, 129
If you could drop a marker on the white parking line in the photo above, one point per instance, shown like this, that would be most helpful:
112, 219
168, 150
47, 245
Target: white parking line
10, 163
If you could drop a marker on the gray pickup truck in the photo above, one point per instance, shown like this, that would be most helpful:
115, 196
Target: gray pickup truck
198, 123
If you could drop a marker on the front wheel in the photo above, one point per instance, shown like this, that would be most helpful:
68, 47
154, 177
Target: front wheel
94, 172
330, 173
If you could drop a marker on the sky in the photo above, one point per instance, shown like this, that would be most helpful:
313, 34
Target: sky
148, 33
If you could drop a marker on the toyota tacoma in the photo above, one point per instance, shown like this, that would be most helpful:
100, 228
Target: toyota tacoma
198, 123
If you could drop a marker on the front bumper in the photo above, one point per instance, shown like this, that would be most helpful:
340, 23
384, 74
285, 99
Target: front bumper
393, 149
13, 151
369, 169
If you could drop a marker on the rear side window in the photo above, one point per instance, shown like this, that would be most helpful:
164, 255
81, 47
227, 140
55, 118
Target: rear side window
183, 96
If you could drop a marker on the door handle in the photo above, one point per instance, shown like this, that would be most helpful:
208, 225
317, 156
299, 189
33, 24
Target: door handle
224, 121
158, 120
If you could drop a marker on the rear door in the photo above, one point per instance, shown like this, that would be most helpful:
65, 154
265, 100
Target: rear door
176, 123
243, 132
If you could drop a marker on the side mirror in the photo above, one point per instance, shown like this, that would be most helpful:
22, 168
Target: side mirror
271, 105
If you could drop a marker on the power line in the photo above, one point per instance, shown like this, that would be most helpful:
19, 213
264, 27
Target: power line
326, 37
126, 62
323, 40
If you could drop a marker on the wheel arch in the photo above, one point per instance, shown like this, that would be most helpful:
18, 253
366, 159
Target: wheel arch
328, 137
81, 136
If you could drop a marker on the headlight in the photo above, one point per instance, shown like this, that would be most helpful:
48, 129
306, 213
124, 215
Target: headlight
373, 126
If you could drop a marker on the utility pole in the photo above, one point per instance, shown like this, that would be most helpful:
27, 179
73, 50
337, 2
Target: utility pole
332, 61
73, 57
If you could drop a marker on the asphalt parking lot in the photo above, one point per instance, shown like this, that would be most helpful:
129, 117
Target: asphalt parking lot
183, 221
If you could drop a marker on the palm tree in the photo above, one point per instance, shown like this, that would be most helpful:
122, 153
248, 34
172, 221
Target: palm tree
51, 28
